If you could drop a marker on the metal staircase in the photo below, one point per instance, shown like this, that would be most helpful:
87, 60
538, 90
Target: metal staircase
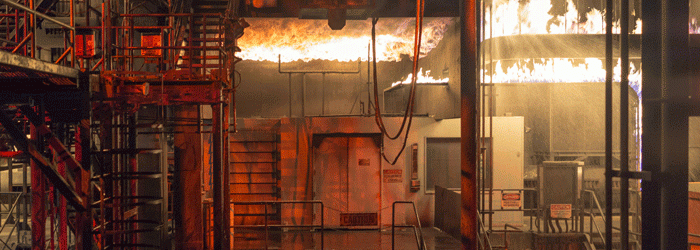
131, 211
255, 176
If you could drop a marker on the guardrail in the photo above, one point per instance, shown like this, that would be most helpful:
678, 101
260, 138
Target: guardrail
267, 225
419, 240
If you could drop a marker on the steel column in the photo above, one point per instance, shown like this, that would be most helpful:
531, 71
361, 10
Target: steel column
217, 176
608, 122
469, 82
38, 199
227, 172
665, 118
187, 203
624, 125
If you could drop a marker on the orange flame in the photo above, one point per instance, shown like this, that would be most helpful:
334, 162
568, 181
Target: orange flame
559, 70
307, 40
421, 78
532, 17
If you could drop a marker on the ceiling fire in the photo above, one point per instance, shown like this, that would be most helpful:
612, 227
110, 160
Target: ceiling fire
287, 39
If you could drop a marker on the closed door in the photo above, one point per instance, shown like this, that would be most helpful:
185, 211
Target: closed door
346, 179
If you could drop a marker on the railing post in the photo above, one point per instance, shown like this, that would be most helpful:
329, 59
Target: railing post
393, 212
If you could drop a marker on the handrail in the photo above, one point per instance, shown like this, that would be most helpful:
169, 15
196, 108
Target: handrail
481, 225
267, 226
595, 198
419, 240
19, 195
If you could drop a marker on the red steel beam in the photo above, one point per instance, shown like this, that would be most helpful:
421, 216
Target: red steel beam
38, 201
469, 82
65, 186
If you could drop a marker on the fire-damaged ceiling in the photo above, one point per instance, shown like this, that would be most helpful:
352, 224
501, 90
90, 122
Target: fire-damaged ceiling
355, 9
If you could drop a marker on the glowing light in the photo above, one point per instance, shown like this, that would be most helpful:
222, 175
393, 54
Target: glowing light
308, 40
560, 70
421, 78
513, 17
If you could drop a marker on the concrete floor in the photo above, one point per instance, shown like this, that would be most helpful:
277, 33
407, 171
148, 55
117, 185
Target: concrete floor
349, 239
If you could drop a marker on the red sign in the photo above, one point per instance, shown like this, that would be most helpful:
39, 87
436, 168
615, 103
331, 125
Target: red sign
393, 176
560, 211
510, 201
358, 219
151, 41
84, 45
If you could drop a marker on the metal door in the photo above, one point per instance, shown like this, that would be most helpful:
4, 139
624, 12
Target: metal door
346, 179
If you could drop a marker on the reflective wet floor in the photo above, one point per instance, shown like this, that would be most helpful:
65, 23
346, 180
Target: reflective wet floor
346, 239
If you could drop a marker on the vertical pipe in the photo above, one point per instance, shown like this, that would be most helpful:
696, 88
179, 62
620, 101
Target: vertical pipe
216, 172
468, 91
624, 124
323, 93
290, 95
33, 27
608, 122
164, 189
72, 33
102, 33
227, 172
303, 94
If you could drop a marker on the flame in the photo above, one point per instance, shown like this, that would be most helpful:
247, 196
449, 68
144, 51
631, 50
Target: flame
560, 70
307, 40
515, 17
421, 78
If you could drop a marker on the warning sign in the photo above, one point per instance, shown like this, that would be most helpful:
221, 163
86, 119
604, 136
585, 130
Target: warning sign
560, 211
511, 201
393, 175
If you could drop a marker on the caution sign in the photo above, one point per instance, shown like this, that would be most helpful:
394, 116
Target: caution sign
393, 175
511, 201
560, 211
358, 219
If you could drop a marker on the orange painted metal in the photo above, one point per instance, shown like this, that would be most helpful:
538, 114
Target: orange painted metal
694, 218
85, 46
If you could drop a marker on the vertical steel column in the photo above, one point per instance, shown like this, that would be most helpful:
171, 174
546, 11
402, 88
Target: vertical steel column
469, 91
227, 171
216, 174
187, 203
83, 221
164, 188
624, 125
608, 122
62, 211
38, 199
665, 119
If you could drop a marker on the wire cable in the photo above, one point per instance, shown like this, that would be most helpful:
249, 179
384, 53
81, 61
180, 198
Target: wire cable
408, 116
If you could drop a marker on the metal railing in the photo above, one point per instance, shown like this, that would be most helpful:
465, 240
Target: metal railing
482, 233
521, 192
267, 226
505, 232
592, 214
199, 52
15, 203
417, 233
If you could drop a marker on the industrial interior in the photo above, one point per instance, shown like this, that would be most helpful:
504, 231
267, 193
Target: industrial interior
349, 124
